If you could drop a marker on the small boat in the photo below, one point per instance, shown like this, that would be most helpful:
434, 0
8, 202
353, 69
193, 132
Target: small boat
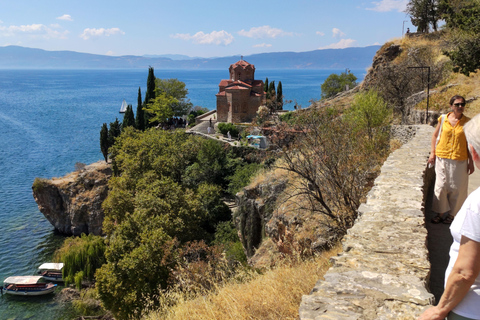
51, 271
28, 286
123, 108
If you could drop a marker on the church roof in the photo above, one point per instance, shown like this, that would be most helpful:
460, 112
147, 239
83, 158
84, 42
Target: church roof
242, 63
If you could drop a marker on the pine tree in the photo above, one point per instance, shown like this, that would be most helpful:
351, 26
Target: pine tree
104, 145
279, 96
140, 119
128, 117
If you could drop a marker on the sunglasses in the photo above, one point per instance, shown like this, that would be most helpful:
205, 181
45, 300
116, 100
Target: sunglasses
459, 104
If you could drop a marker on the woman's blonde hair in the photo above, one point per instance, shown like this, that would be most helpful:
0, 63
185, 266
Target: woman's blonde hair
472, 132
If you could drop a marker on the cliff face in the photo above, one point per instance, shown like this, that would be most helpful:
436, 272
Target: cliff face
271, 223
73, 204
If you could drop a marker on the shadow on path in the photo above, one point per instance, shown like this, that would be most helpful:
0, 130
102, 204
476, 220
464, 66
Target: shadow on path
439, 240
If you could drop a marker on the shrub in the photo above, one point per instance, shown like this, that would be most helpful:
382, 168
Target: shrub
225, 127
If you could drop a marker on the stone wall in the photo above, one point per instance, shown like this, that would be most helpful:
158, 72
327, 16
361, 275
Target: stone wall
384, 269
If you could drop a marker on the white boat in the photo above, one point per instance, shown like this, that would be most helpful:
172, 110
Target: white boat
28, 286
123, 107
51, 271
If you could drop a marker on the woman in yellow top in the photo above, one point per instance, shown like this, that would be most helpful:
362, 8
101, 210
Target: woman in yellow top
453, 162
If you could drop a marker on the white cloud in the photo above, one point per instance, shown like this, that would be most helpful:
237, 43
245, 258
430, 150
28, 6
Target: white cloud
264, 32
110, 53
337, 33
32, 30
344, 43
262, 45
65, 17
389, 5
101, 32
320, 33
214, 37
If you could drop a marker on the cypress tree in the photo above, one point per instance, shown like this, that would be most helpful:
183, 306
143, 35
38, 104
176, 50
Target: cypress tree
279, 96
150, 94
128, 117
140, 119
271, 90
113, 132
104, 143
265, 88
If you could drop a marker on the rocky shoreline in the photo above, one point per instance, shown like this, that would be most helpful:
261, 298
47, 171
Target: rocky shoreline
73, 203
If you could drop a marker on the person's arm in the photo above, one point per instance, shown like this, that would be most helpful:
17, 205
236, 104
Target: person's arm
471, 163
465, 270
431, 158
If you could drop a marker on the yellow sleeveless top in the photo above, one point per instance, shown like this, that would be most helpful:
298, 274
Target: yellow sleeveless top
453, 143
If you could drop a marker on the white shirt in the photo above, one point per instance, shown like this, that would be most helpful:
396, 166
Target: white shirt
466, 223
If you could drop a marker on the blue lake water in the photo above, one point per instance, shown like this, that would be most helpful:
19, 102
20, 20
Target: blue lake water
51, 119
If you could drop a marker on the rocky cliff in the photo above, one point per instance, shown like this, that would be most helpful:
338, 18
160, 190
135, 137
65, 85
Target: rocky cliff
73, 204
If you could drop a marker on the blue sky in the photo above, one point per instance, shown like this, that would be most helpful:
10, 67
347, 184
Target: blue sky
199, 28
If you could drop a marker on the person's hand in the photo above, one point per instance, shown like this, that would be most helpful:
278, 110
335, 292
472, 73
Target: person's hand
432, 313
471, 167
431, 159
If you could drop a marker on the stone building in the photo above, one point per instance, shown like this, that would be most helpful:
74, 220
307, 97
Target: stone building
239, 98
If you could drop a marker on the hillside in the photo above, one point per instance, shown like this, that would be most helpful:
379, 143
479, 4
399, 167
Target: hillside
15, 57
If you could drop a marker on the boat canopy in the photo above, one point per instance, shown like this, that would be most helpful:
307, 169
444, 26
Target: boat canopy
23, 280
51, 266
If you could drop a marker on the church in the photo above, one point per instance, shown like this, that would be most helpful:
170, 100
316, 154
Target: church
239, 98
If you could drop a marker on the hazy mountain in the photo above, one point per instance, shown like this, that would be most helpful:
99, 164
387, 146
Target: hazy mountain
15, 57
170, 56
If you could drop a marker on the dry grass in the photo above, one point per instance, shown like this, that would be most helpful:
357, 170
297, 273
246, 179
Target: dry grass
276, 294
469, 87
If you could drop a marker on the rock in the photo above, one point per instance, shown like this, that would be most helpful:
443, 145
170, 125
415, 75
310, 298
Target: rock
73, 204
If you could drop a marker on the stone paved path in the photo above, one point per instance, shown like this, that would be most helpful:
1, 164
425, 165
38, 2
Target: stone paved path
439, 241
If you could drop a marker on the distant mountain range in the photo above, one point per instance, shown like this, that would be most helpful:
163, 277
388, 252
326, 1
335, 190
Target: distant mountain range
16, 57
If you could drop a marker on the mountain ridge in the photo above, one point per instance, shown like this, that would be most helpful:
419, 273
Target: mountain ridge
17, 57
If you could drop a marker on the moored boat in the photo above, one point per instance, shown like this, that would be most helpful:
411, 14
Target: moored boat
27, 286
51, 271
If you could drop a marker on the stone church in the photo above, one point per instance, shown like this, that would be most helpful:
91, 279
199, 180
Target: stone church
239, 98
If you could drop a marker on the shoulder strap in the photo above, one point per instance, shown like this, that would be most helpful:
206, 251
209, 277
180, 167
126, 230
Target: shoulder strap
440, 131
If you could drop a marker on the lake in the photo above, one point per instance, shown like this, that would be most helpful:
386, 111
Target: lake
50, 120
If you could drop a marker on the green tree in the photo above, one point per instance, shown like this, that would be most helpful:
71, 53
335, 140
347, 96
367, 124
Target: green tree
104, 141
140, 118
336, 83
370, 115
161, 108
424, 13
81, 256
279, 96
114, 131
175, 89
128, 117
464, 41
150, 96
265, 86
271, 90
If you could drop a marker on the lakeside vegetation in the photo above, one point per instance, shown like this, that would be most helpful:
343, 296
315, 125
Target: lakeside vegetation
172, 250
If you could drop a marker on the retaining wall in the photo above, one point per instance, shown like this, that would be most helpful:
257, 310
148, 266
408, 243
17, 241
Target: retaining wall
384, 269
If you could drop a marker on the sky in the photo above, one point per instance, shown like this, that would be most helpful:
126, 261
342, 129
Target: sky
199, 28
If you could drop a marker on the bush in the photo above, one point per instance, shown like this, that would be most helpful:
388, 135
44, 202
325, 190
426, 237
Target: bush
241, 177
225, 127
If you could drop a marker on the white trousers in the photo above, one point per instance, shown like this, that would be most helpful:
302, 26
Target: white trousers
451, 185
